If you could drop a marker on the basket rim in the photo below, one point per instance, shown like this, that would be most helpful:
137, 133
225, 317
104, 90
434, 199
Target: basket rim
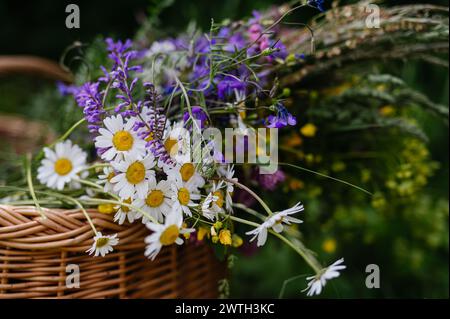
22, 227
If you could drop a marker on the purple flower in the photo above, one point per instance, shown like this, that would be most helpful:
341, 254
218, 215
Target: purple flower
90, 99
271, 181
198, 114
230, 42
280, 53
282, 119
228, 85
119, 76
66, 89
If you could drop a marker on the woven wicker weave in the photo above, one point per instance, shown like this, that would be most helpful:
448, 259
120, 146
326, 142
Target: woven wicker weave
34, 253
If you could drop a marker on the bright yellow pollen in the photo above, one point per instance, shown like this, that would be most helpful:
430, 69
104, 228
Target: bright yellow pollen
126, 209
171, 146
135, 173
169, 235
123, 141
184, 196
187, 171
102, 241
155, 198
63, 166
219, 201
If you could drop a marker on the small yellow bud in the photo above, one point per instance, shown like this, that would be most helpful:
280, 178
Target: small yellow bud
106, 208
215, 239
218, 225
236, 241
225, 237
201, 233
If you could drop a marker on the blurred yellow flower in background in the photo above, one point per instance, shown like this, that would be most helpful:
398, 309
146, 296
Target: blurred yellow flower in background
308, 130
329, 245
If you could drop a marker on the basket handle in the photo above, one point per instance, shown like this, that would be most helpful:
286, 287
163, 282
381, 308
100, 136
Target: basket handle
27, 64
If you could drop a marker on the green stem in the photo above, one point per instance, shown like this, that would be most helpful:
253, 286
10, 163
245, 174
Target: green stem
310, 260
327, 176
68, 132
248, 190
31, 188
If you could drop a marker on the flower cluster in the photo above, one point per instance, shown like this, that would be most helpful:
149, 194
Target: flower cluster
151, 172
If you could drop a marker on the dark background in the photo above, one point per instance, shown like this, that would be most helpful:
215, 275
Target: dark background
38, 27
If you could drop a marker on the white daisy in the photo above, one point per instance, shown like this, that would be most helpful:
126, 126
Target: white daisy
158, 201
317, 282
119, 139
62, 165
186, 172
228, 173
165, 234
125, 212
276, 223
133, 175
213, 204
183, 195
103, 244
105, 179
177, 142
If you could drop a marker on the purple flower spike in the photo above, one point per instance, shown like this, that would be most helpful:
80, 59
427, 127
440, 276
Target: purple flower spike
90, 99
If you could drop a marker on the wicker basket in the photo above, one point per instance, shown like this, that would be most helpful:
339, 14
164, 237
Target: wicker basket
34, 254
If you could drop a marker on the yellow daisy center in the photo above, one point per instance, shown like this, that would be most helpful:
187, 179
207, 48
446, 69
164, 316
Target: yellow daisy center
184, 196
169, 235
123, 141
171, 146
126, 209
219, 201
101, 242
63, 166
187, 171
155, 198
135, 173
